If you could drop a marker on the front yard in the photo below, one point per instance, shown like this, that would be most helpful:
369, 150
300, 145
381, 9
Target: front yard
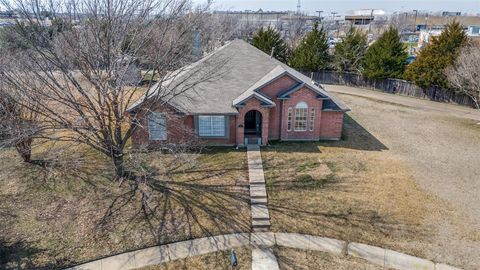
56, 217
357, 189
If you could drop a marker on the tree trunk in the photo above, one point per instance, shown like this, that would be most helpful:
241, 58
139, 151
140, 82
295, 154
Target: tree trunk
117, 157
24, 148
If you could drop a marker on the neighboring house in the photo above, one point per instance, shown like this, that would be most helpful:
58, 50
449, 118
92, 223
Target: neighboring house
257, 99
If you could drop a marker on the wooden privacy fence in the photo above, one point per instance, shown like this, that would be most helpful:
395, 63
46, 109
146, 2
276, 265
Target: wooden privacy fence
392, 86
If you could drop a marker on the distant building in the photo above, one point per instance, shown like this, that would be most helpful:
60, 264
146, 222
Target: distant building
366, 16
473, 30
359, 19
450, 13
260, 17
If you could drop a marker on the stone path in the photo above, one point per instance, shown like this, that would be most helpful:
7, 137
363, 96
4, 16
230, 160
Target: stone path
261, 239
258, 192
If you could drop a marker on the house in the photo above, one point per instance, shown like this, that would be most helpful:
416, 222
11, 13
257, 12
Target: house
256, 99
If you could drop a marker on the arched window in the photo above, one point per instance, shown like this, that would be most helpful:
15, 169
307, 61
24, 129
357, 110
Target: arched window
301, 112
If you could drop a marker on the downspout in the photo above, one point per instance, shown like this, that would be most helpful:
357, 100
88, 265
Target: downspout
281, 121
236, 127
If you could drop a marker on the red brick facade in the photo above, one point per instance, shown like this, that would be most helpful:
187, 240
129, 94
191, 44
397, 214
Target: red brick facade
326, 124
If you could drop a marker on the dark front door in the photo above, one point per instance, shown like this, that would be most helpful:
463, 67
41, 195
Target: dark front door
251, 122
253, 127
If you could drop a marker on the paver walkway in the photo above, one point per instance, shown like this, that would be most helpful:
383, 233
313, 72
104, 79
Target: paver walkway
258, 192
261, 240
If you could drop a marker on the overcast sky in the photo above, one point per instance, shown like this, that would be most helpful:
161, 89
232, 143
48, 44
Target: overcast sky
470, 6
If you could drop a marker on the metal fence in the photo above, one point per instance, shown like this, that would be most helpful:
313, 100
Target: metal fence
393, 86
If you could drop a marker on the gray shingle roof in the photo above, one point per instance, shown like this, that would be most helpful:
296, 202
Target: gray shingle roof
245, 69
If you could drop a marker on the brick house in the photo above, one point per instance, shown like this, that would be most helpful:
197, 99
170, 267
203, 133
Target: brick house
256, 99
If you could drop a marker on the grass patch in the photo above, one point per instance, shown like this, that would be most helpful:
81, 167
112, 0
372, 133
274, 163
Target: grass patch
336, 189
217, 260
56, 217
289, 258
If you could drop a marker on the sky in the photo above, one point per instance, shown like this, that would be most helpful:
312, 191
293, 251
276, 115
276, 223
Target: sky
310, 6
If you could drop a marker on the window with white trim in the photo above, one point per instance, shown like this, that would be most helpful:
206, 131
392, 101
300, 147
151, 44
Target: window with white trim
211, 125
157, 126
289, 119
301, 112
312, 118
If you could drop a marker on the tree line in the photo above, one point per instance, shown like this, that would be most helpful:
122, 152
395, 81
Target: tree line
447, 61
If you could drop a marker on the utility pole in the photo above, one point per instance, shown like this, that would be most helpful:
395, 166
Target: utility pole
320, 15
415, 21
299, 7
334, 22
333, 15
370, 22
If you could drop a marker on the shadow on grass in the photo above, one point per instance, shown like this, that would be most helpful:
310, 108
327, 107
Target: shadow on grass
354, 136
148, 209
321, 207
17, 255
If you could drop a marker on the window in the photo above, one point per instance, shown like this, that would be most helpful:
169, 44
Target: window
312, 118
157, 126
301, 111
289, 119
211, 126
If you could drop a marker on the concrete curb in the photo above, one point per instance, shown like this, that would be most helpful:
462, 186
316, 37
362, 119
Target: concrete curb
393, 259
262, 240
310, 242
166, 253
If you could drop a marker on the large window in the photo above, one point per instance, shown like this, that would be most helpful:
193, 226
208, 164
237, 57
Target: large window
211, 126
301, 111
157, 126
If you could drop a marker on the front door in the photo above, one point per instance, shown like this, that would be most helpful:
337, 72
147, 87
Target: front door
253, 127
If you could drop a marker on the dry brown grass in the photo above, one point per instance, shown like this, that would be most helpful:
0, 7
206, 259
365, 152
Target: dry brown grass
354, 190
53, 217
297, 259
212, 261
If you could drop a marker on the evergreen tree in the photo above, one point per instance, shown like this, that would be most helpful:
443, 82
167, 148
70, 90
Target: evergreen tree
386, 58
312, 53
350, 51
440, 53
266, 39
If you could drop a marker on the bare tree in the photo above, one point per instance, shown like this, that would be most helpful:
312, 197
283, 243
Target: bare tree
465, 74
77, 71
18, 125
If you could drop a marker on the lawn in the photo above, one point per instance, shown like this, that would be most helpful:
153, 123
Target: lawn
72, 212
357, 190
212, 261
288, 259
297, 259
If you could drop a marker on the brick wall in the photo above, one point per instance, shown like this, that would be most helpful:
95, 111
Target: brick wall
272, 90
252, 104
331, 125
180, 129
303, 95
